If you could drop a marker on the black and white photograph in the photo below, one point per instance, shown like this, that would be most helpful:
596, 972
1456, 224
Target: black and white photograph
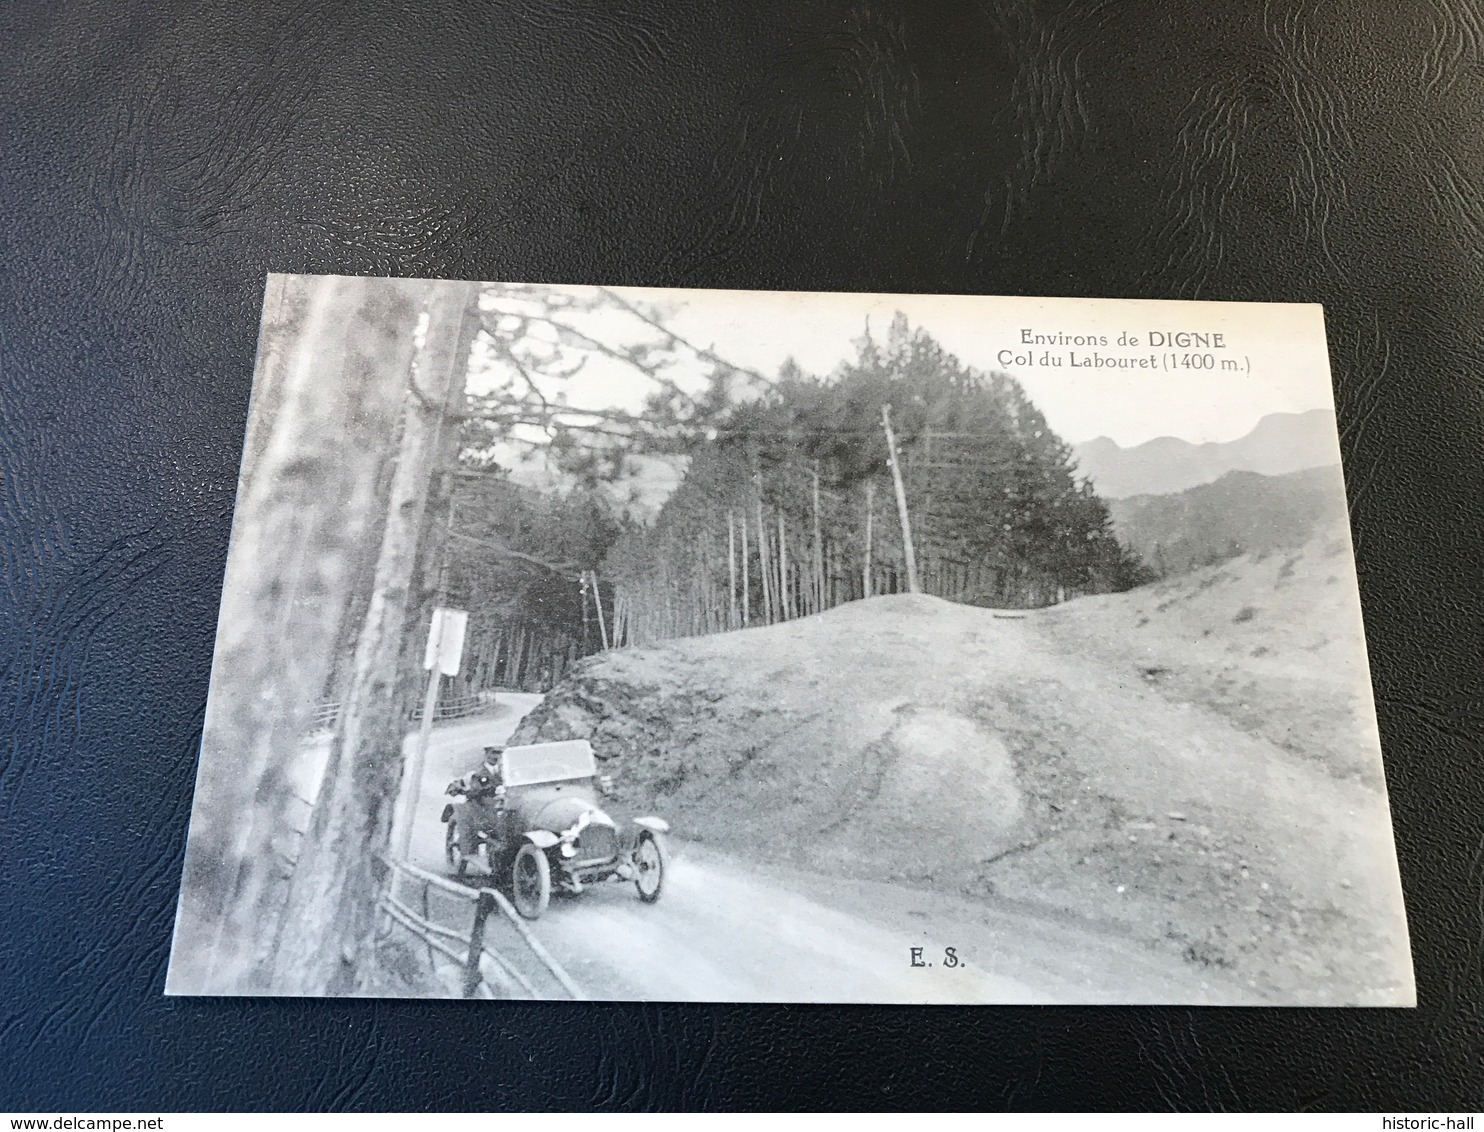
640, 644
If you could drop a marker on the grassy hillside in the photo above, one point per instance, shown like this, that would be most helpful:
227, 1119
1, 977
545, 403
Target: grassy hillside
1241, 513
1270, 642
1191, 764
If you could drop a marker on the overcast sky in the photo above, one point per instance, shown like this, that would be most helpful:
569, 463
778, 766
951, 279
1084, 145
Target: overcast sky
1282, 344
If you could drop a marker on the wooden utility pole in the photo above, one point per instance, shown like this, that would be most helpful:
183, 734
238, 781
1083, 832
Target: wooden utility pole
765, 570
818, 549
896, 479
443, 655
786, 601
925, 514
870, 520
598, 602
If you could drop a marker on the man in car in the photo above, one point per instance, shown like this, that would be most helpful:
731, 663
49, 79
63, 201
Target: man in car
487, 777
484, 809
484, 779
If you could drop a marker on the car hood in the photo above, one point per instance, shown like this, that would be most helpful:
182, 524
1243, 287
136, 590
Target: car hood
561, 814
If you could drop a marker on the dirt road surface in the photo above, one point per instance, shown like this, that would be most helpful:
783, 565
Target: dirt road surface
729, 929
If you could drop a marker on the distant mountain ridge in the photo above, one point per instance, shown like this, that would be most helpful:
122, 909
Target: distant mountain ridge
1281, 443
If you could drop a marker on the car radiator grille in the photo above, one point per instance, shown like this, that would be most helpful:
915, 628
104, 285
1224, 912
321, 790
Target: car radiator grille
596, 842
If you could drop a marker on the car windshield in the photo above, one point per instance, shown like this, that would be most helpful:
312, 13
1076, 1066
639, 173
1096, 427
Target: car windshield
549, 762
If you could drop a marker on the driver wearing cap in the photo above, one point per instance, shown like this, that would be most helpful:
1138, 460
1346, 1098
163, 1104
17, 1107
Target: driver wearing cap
488, 777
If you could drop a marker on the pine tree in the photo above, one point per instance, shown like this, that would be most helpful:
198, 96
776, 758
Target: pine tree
998, 512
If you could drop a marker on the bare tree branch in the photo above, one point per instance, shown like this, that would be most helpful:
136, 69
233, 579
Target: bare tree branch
565, 569
704, 353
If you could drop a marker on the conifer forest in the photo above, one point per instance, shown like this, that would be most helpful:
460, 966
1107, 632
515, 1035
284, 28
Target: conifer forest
787, 504
417, 444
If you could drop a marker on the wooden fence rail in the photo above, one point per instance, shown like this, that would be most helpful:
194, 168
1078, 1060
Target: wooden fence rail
487, 971
327, 715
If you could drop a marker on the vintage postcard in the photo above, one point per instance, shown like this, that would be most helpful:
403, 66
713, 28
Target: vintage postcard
612, 643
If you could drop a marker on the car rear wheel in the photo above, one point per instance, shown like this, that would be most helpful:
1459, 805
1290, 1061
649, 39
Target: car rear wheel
650, 859
453, 850
531, 882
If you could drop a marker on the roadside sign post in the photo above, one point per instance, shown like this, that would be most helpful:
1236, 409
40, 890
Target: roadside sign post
442, 657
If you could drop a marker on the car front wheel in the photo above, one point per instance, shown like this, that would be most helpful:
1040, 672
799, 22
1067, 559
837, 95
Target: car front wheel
531, 882
453, 850
650, 859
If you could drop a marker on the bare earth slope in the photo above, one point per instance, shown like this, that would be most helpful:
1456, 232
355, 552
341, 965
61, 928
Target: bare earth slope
1190, 765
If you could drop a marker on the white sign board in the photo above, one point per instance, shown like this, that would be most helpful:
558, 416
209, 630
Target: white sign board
446, 640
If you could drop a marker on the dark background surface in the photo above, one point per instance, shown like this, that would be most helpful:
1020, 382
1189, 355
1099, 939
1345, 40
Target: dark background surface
159, 159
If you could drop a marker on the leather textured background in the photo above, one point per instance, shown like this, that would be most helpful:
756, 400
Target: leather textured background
158, 159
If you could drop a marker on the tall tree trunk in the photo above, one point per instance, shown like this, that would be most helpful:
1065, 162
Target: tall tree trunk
332, 903
430, 585
746, 574
285, 303
518, 657
736, 619
319, 449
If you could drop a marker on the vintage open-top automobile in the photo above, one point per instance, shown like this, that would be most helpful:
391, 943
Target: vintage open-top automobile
532, 815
